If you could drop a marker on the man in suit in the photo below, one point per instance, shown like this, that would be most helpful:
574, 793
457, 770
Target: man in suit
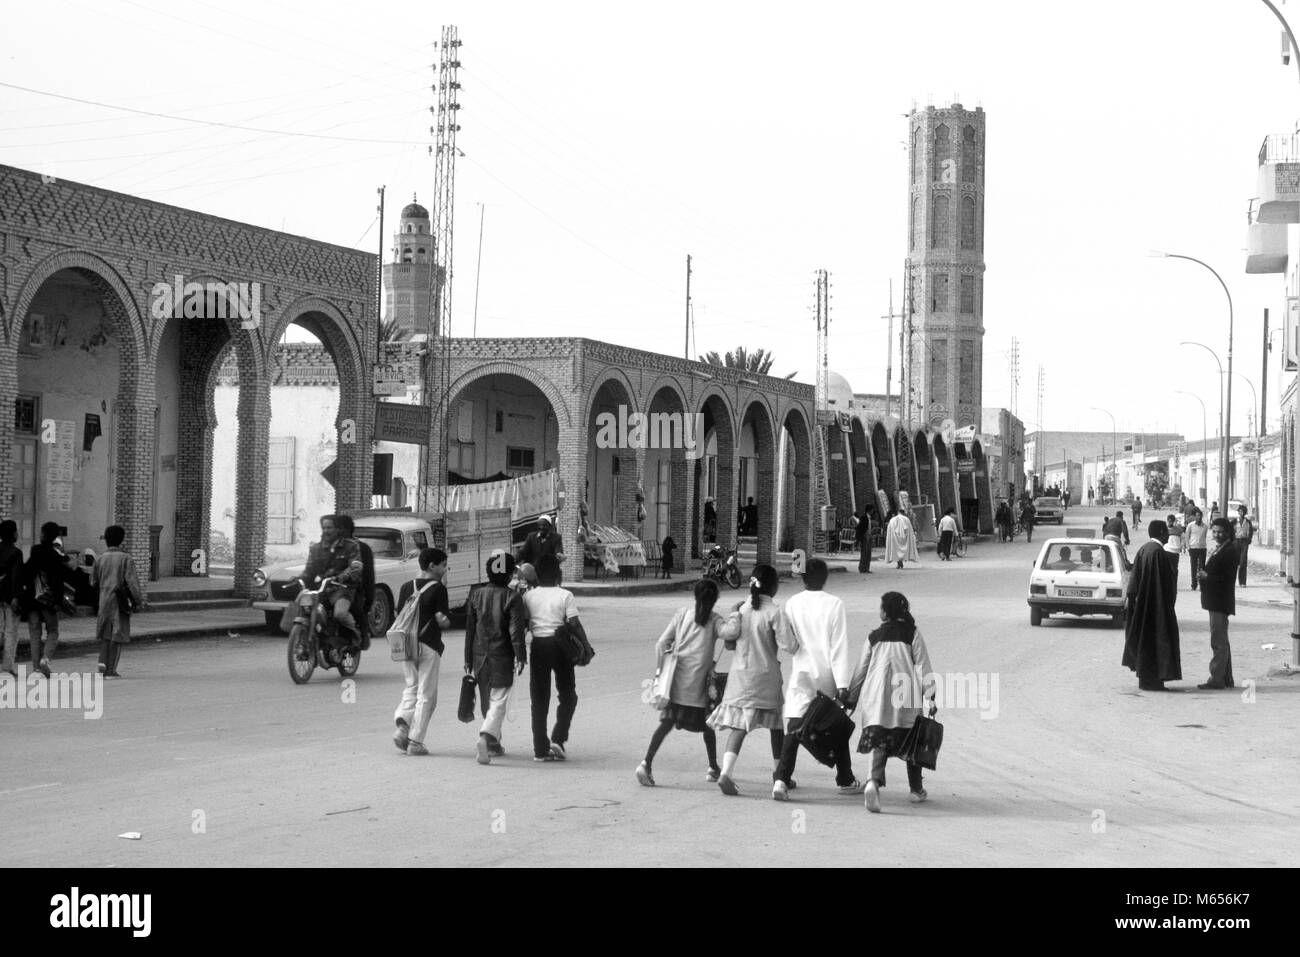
1219, 598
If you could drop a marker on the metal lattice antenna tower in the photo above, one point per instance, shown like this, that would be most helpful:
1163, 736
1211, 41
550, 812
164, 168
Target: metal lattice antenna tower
823, 323
1015, 377
1042, 452
444, 130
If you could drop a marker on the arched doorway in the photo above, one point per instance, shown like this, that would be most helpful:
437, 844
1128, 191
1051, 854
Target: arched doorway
757, 435
865, 483
946, 478
925, 473
797, 517
667, 456
882, 450
613, 466
714, 478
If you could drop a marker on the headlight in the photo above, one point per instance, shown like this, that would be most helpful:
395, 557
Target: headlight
259, 578
306, 599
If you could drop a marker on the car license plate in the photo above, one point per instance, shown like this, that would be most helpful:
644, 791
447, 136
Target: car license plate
1074, 592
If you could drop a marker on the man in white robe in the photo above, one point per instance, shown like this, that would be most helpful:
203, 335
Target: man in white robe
822, 664
900, 540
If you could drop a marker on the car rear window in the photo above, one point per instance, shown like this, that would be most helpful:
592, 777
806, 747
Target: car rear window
1077, 558
384, 542
1047, 503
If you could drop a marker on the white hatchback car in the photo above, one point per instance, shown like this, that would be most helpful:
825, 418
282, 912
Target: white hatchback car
1078, 576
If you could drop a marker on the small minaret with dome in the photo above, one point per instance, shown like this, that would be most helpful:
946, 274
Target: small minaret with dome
408, 279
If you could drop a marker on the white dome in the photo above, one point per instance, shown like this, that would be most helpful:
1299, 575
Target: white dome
839, 394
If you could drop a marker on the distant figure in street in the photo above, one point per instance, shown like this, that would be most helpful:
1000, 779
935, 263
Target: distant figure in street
1065, 499
119, 596
710, 520
1137, 512
666, 549
11, 569
691, 638
1245, 534
1218, 597
1151, 623
1002, 518
1189, 510
1196, 532
1091, 496
894, 681
900, 540
1116, 530
862, 538
1214, 512
1027, 516
1174, 547
544, 541
947, 532
750, 512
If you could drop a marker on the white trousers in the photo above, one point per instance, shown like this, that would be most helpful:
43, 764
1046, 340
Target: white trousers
420, 695
496, 713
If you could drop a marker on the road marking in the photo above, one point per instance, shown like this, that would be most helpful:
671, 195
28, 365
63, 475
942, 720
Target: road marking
31, 787
351, 810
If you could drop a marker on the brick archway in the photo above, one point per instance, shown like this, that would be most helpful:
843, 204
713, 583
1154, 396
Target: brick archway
758, 415
800, 498
720, 419
132, 435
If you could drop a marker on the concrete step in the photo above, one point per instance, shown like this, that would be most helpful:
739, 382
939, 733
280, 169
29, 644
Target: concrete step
158, 595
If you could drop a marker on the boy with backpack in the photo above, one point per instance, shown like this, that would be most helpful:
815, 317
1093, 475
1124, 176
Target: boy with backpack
420, 693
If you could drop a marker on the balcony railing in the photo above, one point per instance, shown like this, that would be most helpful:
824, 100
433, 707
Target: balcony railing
1282, 148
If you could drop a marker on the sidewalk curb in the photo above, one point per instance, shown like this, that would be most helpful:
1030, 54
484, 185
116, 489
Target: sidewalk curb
258, 629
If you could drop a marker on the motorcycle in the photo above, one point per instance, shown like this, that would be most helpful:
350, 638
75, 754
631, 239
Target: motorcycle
313, 638
720, 565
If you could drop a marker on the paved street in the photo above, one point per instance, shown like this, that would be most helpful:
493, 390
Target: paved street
210, 752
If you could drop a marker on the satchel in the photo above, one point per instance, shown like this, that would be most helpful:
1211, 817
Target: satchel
921, 746
468, 692
826, 727
661, 685
404, 636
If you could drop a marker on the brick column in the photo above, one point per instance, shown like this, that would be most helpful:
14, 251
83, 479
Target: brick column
681, 494
571, 445
631, 472
250, 479
200, 351
134, 465
768, 533
8, 395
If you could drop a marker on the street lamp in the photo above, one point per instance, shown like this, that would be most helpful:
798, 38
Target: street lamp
1227, 402
1204, 439
1113, 453
1223, 470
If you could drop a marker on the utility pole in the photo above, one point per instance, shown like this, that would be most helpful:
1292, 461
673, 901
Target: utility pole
686, 348
379, 285
1040, 452
823, 311
478, 266
1015, 376
889, 350
907, 381
1263, 392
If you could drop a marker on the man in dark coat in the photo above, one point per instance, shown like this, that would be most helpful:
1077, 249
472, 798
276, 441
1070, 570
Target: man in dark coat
1151, 624
862, 537
545, 541
1219, 598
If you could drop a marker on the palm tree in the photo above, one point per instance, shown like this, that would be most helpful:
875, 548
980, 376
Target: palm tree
759, 361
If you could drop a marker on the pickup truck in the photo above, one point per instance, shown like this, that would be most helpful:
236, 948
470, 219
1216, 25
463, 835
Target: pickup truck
396, 538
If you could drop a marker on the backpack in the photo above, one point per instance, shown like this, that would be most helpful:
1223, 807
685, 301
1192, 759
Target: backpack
404, 636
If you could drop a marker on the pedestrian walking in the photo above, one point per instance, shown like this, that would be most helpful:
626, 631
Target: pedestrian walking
692, 638
1196, 533
1214, 512
1027, 516
11, 572
118, 582
1137, 513
818, 622
900, 540
1151, 645
1002, 519
551, 609
495, 620
1091, 496
862, 538
1116, 530
1176, 544
893, 681
1245, 534
752, 697
544, 540
43, 580
666, 550
1219, 598
1065, 499
947, 532
420, 674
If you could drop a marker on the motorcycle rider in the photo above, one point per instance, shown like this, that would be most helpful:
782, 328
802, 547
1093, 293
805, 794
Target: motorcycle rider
367, 593
337, 556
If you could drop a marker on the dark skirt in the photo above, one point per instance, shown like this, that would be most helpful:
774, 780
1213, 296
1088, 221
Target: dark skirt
685, 718
891, 739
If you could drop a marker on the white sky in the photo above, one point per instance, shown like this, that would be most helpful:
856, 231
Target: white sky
608, 141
